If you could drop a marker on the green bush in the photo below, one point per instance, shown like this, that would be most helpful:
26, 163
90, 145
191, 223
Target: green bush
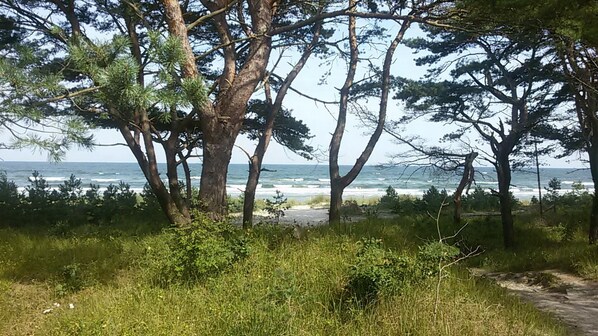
276, 206
235, 204
432, 254
433, 199
204, 249
480, 200
390, 200
10, 200
381, 272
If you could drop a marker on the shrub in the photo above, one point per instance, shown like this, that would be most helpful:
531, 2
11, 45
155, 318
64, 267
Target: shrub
350, 208
149, 202
480, 200
379, 272
204, 249
276, 206
390, 200
118, 199
433, 199
10, 199
376, 271
235, 204
431, 254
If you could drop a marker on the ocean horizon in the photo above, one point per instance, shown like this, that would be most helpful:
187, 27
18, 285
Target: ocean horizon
299, 181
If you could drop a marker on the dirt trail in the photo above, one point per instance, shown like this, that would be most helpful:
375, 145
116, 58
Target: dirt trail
573, 299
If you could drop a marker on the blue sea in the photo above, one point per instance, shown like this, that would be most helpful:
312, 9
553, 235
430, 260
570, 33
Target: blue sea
297, 181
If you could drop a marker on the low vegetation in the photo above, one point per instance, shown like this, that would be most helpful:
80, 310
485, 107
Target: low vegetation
379, 276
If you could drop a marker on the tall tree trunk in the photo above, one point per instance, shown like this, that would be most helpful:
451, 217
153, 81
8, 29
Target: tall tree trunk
221, 120
338, 183
593, 232
249, 195
466, 179
255, 161
503, 170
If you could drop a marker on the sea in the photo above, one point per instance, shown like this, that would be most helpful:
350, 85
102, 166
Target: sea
300, 182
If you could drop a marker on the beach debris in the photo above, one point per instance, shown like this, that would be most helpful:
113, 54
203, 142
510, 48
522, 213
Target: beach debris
56, 304
47, 311
71, 306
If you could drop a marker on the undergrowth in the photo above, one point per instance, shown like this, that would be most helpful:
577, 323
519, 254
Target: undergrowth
282, 286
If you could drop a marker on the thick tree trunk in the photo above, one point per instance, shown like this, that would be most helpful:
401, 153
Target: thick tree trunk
593, 232
217, 152
222, 119
503, 170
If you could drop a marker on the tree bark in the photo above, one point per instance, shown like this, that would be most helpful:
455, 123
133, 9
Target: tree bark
255, 161
466, 179
503, 170
249, 195
150, 171
336, 185
593, 231
336, 201
216, 157
221, 120
170, 151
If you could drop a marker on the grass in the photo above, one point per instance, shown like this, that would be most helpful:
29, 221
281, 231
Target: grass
285, 287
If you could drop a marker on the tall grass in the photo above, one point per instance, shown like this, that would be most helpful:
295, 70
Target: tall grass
285, 286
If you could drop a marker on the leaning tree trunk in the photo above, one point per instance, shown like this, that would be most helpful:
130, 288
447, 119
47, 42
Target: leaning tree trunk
466, 179
503, 170
149, 167
339, 183
174, 186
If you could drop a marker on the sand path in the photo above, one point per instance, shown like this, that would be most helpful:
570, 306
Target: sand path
572, 299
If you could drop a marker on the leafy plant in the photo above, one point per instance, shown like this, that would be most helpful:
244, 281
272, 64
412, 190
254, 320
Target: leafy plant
378, 271
276, 206
204, 249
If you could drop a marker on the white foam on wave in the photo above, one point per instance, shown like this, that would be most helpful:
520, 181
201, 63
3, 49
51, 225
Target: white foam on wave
293, 179
106, 180
324, 180
48, 179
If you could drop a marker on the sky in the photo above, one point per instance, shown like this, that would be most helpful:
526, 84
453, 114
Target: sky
318, 117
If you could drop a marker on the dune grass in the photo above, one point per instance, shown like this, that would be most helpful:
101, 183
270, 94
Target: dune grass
286, 286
